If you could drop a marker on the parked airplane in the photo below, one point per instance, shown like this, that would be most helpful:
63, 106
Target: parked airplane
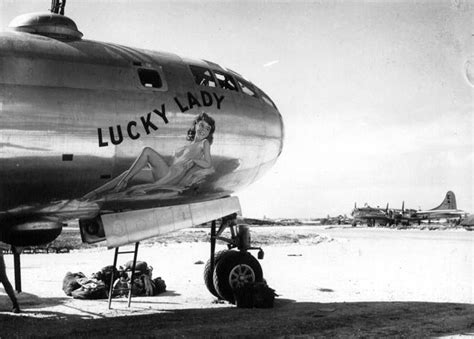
446, 210
370, 215
403, 216
133, 143
338, 220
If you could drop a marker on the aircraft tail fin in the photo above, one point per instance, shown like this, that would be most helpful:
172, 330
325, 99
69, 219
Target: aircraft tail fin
449, 202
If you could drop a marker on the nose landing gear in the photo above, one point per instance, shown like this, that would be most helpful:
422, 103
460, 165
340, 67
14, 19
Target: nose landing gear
230, 269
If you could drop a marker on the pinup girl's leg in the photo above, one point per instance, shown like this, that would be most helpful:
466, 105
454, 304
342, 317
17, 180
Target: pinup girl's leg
169, 181
106, 187
6, 284
148, 156
175, 174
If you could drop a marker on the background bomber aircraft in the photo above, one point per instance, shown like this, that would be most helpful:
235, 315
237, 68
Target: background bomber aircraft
371, 216
133, 143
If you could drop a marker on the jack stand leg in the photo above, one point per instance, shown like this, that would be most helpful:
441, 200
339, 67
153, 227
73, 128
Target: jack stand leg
132, 277
17, 268
213, 243
111, 289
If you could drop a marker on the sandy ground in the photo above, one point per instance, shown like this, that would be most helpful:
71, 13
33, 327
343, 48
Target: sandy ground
338, 282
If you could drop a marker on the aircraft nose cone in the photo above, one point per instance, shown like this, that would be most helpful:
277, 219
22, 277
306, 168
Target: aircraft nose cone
282, 129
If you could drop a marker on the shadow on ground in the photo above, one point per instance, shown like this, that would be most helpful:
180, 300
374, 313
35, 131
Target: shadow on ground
355, 319
30, 301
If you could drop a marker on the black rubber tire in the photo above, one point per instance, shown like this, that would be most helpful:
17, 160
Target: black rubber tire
208, 280
227, 273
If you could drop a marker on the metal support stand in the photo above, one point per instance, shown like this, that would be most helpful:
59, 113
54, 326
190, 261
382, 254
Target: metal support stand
17, 268
213, 244
117, 252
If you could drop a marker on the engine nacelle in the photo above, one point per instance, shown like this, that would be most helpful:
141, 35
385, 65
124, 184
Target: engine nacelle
92, 230
30, 233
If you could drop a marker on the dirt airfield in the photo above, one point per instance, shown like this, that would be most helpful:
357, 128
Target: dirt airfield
331, 282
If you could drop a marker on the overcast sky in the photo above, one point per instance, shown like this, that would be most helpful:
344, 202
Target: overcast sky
377, 97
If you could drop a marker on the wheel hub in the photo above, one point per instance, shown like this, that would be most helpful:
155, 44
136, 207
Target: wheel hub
241, 275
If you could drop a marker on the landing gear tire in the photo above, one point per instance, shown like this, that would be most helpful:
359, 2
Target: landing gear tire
234, 270
208, 279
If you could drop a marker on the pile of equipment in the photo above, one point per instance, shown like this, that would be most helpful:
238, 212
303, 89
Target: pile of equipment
97, 286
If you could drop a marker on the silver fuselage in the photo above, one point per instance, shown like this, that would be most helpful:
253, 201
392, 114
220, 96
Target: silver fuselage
63, 106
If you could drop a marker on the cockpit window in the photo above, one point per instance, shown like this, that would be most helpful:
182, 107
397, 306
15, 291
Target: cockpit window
203, 76
266, 99
247, 87
226, 81
150, 78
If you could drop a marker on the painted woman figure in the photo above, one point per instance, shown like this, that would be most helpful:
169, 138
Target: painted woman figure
194, 158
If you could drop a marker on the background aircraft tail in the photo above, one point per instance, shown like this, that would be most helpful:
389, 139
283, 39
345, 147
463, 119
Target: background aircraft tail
449, 202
